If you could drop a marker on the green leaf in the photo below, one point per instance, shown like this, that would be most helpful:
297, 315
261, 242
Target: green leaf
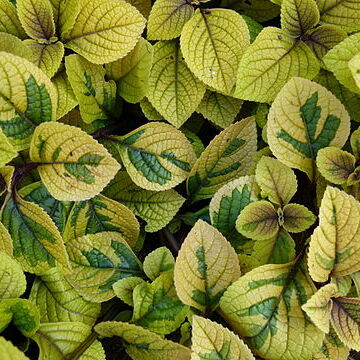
10, 22
7, 150
297, 218
355, 143
157, 262
212, 42
10, 352
354, 65
124, 288
13, 45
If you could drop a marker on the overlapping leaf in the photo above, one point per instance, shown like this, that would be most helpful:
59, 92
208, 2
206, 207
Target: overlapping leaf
9, 21
158, 261
10, 352
65, 14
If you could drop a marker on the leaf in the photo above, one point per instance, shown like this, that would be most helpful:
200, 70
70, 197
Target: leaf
337, 59
205, 266
304, 118
37, 243
33, 102
354, 65
47, 57
276, 180
36, 18
58, 301
297, 218
157, 262
124, 288
343, 13
10, 22
212, 42
173, 90
132, 72
219, 109
319, 306
345, 318
58, 340
149, 111
228, 156
98, 261
299, 16
213, 341
167, 19
12, 278
157, 208
10, 352
195, 141
156, 156
12, 44
333, 249
76, 167
101, 214
264, 308
96, 96
269, 62
143, 344
6, 178
7, 150
105, 30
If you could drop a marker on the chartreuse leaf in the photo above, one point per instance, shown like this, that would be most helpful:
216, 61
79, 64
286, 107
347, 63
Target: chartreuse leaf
334, 250
228, 156
132, 72
337, 60
98, 261
345, 318
219, 109
12, 278
277, 182
96, 96
47, 57
144, 6
124, 288
206, 265
212, 42
158, 261
36, 18
167, 18
270, 61
213, 341
10, 352
58, 340
23, 313
174, 91
75, 166
33, 102
58, 301
156, 306
304, 118
343, 284
157, 208
355, 143
264, 308
7, 150
343, 13
149, 111
10, 22
105, 30
143, 344
37, 243
319, 306
6, 178
354, 65
101, 214
12, 44
299, 16
195, 141
156, 155
296, 218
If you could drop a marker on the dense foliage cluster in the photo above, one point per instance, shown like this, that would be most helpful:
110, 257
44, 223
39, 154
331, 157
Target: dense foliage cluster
179, 179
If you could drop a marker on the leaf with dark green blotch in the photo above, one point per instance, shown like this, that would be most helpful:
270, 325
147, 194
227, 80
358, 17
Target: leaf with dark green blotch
127, 258
200, 255
97, 259
223, 354
233, 146
88, 83
56, 154
133, 138
172, 158
233, 167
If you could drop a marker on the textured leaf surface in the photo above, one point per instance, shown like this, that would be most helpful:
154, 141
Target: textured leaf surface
105, 30
304, 118
228, 156
149, 111
270, 61
65, 14
206, 265
10, 352
158, 261
212, 42
75, 166
264, 307
10, 22
7, 150
354, 65
12, 44
124, 288
174, 91
144, 6
297, 218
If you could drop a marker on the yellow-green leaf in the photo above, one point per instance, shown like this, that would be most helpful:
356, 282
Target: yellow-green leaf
297, 218
228, 156
12, 44
219, 109
206, 265
158, 261
167, 18
144, 6
105, 30
74, 166
98, 261
354, 65
7, 150
10, 22
12, 278
212, 42
304, 118
173, 90
343, 284
149, 111
355, 143
10, 352
334, 249
6, 243
264, 308
143, 344
124, 288
132, 72
270, 61
33, 102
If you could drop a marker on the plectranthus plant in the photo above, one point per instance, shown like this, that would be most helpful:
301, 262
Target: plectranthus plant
179, 179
